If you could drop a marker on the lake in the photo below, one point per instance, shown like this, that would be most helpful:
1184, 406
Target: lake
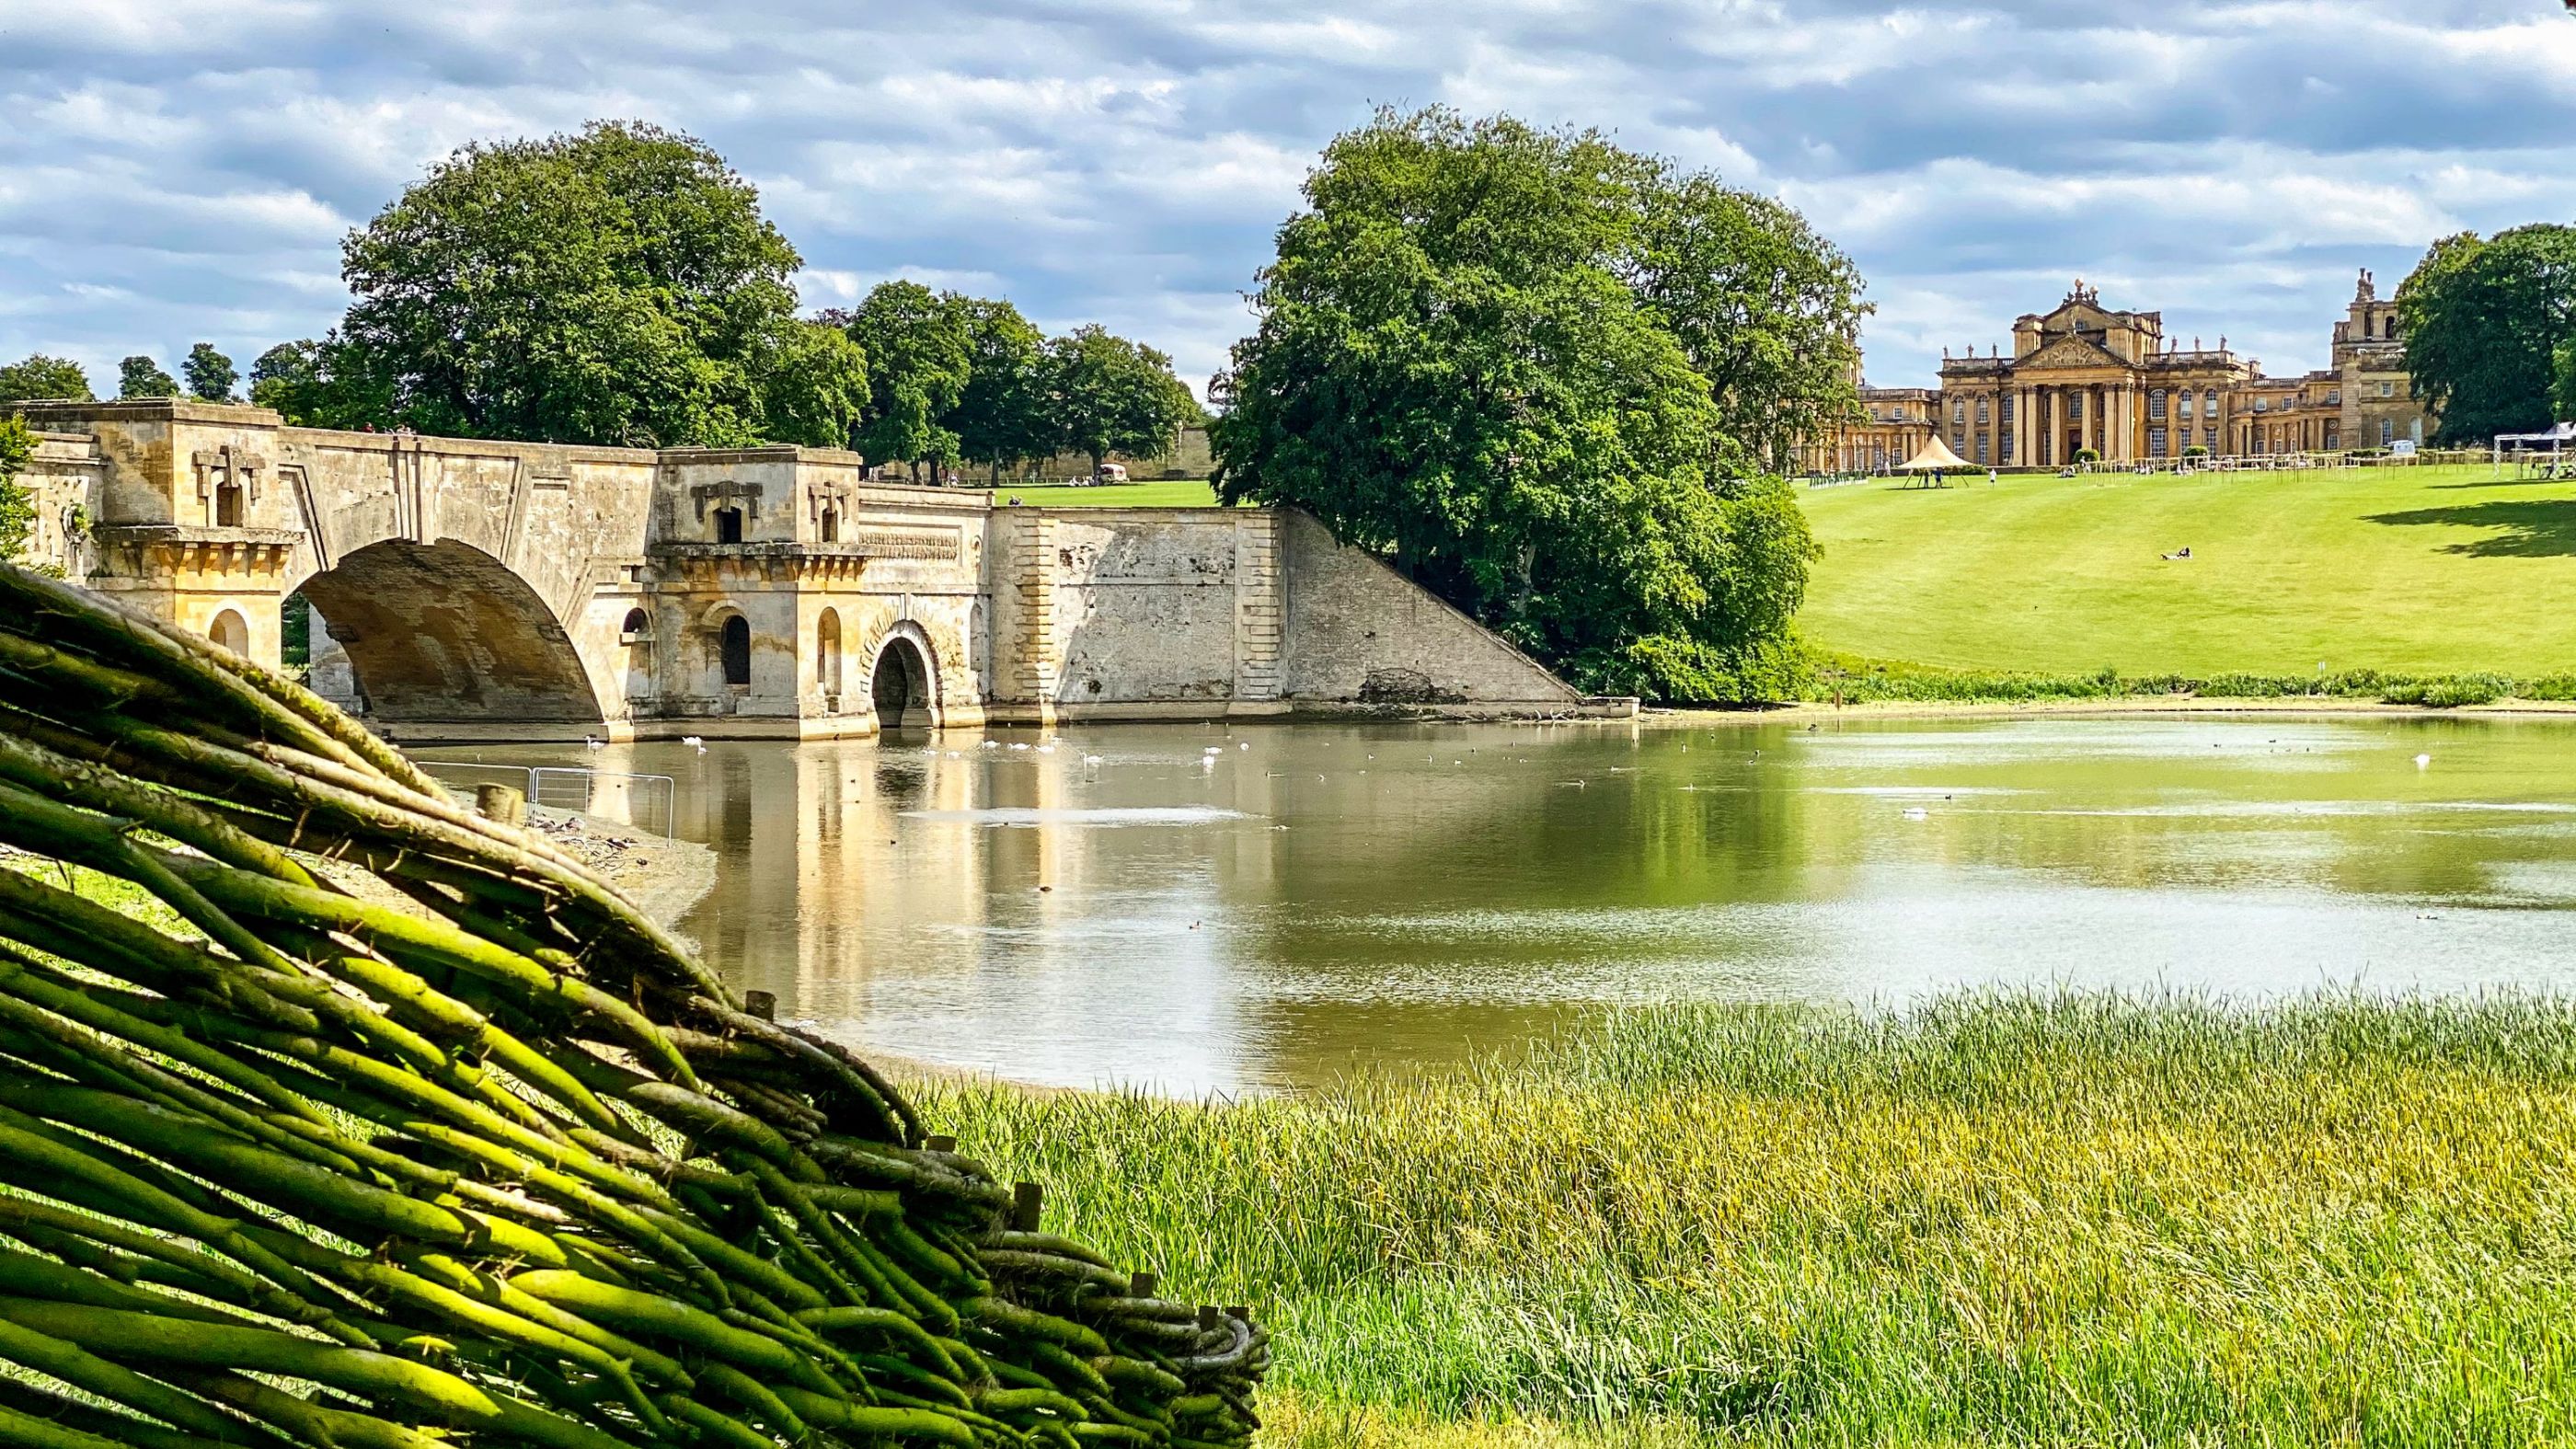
1200, 908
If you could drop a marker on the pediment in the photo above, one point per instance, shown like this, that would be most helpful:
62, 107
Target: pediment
2069, 352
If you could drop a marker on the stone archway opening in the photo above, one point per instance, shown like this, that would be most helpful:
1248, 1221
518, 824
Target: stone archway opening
231, 631
446, 633
900, 687
733, 651
827, 654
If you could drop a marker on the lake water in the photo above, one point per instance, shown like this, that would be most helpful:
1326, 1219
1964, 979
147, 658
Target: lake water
1195, 908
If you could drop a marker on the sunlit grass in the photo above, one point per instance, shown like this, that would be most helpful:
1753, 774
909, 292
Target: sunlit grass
2427, 570
2002, 1220
1168, 493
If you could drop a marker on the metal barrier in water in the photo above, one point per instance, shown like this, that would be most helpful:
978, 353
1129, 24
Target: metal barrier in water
617, 795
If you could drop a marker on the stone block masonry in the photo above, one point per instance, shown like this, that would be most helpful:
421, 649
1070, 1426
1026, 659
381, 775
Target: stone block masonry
462, 589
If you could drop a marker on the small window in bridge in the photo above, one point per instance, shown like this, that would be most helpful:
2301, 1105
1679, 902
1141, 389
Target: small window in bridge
734, 645
638, 626
728, 525
228, 501
831, 528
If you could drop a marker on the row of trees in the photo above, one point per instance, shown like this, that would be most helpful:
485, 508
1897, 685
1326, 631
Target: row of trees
1557, 382
620, 286
2491, 331
210, 375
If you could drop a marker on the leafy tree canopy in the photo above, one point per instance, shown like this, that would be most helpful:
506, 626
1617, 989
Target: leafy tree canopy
1004, 414
210, 374
918, 344
41, 378
1765, 309
140, 376
2486, 321
17, 503
615, 286
1110, 395
1481, 350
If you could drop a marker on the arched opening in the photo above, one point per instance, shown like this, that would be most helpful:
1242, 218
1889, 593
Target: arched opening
446, 632
900, 688
733, 651
635, 635
827, 652
728, 525
231, 631
829, 530
228, 505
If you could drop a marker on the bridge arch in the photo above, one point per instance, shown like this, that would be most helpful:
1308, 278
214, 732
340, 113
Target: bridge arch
444, 632
903, 678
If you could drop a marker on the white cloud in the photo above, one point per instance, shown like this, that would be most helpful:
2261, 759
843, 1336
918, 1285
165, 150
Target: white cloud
178, 168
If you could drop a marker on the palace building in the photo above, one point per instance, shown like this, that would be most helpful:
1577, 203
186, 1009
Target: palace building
2086, 377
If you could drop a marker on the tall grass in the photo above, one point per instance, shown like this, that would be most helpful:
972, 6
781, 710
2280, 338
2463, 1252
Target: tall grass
1995, 1220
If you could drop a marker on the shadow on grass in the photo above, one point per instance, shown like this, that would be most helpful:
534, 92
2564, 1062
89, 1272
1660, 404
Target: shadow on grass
2501, 483
2536, 529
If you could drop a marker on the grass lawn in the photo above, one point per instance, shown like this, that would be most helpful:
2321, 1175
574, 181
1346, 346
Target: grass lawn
2402, 569
2019, 1220
1176, 493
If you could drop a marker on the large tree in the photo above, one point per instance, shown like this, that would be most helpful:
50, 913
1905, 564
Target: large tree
42, 378
917, 343
140, 376
1454, 365
210, 374
615, 286
1003, 416
1111, 395
2485, 320
1767, 310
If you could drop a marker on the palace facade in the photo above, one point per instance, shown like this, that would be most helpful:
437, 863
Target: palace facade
2086, 377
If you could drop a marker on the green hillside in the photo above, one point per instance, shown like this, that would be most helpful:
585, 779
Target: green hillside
2411, 569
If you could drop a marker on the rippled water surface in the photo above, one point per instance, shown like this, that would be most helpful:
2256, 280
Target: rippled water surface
1197, 908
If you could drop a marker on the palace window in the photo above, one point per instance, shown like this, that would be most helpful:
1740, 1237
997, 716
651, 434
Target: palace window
2006, 449
2074, 407
2262, 404
2388, 389
1982, 436
2185, 399
1959, 412
2006, 411
2387, 431
2156, 405
1981, 410
2209, 402
2209, 439
2334, 394
2155, 442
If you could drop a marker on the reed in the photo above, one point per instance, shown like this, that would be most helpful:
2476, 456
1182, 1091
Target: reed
2001, 1219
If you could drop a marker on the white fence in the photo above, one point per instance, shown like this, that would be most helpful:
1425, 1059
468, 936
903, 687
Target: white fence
647, 802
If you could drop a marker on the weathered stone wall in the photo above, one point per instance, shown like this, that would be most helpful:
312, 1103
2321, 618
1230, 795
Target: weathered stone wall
1359, 634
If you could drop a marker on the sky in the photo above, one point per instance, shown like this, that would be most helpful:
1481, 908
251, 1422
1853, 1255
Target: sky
181, 170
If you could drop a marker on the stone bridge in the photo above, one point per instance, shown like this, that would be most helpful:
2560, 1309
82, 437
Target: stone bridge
458, 589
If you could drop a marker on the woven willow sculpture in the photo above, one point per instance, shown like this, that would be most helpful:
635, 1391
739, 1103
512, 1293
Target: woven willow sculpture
364, 1120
